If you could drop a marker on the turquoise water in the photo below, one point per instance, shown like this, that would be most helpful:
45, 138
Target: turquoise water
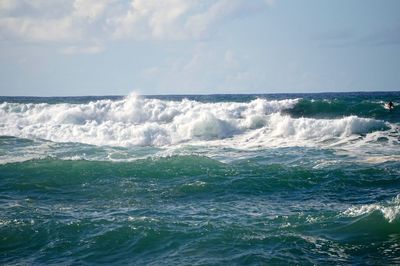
204, 180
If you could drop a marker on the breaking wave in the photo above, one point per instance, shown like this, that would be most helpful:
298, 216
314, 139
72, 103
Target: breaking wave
389, 210
137, 121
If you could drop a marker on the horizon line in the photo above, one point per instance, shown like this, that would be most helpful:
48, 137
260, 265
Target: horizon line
200, 94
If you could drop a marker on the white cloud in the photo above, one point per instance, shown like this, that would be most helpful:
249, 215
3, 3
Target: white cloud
199, 24
42, 30
40, 9
90, 9
8, 5
178, 19
151, 19
39, 21
79, 21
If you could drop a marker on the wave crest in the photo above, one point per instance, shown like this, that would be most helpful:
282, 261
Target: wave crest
390, 210
137, 121
306, 128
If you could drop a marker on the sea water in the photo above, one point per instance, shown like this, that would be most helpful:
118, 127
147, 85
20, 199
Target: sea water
200, 180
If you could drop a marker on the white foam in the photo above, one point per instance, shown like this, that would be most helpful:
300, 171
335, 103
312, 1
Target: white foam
390, 210
135, 121
285, 131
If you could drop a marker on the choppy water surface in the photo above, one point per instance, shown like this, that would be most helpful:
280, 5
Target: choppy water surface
220, 179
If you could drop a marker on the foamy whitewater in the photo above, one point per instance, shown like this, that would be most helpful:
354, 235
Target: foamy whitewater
135, 121
214, 179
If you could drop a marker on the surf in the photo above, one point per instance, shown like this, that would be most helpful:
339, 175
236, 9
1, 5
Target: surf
139, 121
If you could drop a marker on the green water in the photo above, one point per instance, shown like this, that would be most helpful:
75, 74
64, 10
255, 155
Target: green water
203, 202
187, 209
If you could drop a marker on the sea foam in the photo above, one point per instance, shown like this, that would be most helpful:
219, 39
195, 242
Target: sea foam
137, 121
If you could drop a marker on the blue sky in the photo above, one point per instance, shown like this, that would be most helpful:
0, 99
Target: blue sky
114, 47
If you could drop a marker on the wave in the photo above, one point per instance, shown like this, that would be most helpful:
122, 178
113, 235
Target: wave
340, 107
136, 121
389, 210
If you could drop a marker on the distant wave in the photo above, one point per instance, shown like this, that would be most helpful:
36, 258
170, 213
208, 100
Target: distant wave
335, 108
136, 121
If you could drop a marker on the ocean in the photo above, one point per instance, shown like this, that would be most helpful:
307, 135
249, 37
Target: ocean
200, 179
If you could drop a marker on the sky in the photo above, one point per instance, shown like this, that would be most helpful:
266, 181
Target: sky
114, 47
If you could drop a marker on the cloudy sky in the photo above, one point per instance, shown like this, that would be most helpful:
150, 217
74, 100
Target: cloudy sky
113, 47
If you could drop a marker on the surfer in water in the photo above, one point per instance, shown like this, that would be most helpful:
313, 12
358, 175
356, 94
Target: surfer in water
390, 105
